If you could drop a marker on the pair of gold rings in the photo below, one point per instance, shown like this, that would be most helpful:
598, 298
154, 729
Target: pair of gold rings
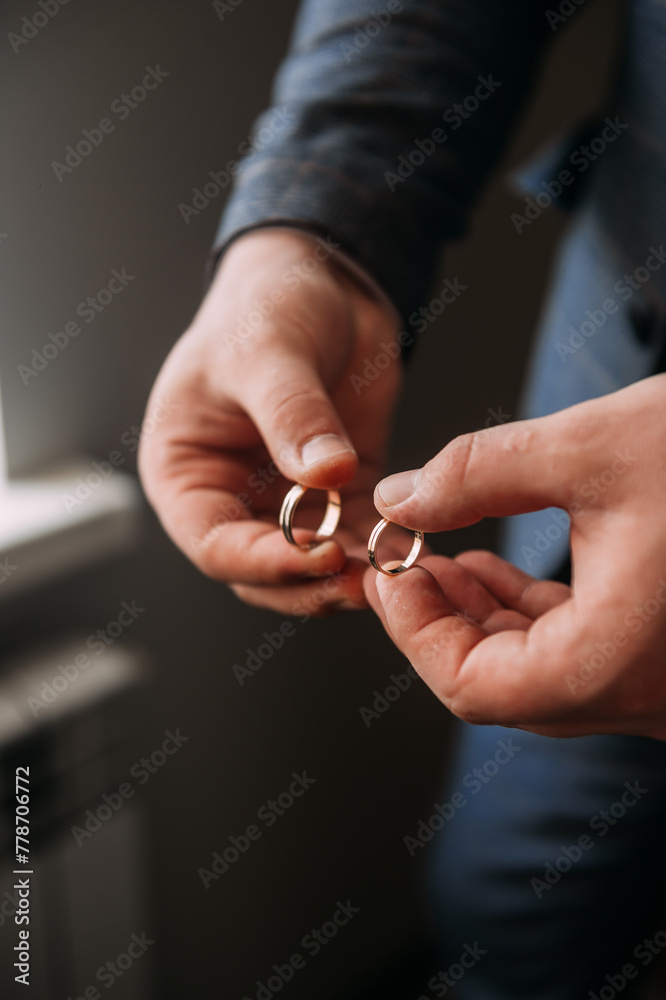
330, 523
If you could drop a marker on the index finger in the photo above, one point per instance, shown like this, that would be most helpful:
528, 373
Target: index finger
227, 543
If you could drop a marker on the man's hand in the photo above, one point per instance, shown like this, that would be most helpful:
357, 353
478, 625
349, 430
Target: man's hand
259, 395
498, 646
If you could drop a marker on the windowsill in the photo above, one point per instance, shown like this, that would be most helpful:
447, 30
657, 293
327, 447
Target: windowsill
47, 530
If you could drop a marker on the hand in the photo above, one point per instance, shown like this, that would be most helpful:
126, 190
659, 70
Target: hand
498, 646
260, 395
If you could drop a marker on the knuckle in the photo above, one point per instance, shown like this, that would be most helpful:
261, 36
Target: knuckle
452, 466
481, 559
518, 438
282, 400
208, 561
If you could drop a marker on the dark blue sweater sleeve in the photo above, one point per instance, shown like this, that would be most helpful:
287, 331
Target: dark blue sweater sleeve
386, 121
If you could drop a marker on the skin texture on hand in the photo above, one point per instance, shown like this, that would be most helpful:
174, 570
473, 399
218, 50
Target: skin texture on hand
500, 647
259, 395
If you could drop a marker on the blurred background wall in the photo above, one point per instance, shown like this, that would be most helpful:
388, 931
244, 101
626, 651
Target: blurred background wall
62, 239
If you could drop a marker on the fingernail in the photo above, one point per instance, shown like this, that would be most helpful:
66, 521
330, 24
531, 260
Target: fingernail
324, 446
396, 489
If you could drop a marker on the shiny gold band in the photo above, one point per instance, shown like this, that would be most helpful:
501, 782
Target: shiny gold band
327, 526
406, 563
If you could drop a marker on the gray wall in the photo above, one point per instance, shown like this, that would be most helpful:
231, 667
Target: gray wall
119, 208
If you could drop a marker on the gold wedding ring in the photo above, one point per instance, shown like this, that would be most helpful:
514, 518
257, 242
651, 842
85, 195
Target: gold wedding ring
407, 563
327, 526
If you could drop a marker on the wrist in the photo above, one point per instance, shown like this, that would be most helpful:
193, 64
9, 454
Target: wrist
267, 242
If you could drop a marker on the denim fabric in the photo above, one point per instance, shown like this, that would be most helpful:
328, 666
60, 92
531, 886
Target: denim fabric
554, 914
587, 347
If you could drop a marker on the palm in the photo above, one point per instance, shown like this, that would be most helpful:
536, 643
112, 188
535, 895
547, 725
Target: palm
218, 480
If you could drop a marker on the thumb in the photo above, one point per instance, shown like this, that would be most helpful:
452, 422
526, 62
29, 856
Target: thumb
290, 407
511, 469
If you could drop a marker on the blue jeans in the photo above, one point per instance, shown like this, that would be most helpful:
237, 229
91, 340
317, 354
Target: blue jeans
549, 878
